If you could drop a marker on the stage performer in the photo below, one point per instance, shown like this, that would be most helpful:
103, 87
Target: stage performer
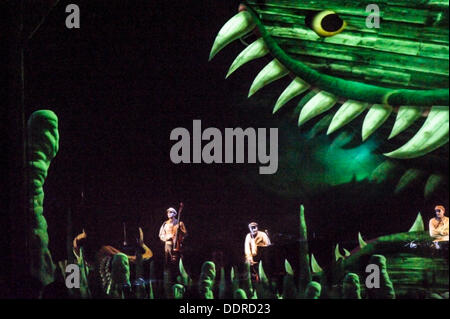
253, 240
168, 234
438, 225
140, 247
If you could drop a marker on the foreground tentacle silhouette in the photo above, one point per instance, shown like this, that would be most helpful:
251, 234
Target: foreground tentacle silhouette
42, 146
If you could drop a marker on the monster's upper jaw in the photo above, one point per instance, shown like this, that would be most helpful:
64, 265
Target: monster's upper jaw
357, 96
407, 50
350, 89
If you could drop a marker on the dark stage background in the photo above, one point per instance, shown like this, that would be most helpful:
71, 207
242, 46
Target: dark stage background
134, 71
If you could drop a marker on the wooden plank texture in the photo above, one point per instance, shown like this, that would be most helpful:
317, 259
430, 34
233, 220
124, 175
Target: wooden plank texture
409, 50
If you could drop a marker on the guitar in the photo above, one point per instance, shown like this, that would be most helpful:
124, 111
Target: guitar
178, 238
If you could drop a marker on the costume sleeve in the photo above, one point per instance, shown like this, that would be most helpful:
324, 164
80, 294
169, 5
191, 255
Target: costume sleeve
247, 249
433, 232
445, 229
267, 240
162, 233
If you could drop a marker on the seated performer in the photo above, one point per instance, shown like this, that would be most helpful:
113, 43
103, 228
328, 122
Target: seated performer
253, 240
140, 247
168, 232
438, 225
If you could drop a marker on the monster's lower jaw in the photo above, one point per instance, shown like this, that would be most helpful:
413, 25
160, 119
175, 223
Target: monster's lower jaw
329, 90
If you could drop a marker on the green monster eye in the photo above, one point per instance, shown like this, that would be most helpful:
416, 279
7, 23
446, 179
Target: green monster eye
325, 23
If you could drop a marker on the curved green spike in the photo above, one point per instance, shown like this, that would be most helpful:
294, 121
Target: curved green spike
377, 115
314, 265
239, 294
181, 267
346, 252
234, 280
361, 241
262, 274
151, 295
288, 267
418, 224
337, 253
183, 273
432, 184
246, 280
304, 265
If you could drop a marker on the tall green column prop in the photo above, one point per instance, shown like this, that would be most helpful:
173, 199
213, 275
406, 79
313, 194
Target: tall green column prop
43, 144
305, 271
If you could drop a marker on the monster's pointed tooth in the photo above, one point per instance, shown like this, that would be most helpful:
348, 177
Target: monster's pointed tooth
382, 172
406, 116
321, 102
320, 125
238, 26
361, 241
337, 253
297, 87
271, 72
346, 113
256, 50
315, 265
288, 267
432, 135
418, 224
376, 116
432, 184
408, 178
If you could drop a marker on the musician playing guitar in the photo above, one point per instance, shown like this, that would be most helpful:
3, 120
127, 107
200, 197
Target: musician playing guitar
172, 233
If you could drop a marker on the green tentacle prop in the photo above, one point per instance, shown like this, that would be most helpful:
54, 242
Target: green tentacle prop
386, 289
313, 290
351, 287
43, 144
207, 279
120, 275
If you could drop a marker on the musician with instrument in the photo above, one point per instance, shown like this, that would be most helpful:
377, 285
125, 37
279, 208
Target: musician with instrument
172, 233
253, 240
438, 228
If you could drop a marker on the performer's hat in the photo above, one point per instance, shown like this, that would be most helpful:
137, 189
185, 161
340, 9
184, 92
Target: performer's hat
440, 207
172, 210
253, 224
